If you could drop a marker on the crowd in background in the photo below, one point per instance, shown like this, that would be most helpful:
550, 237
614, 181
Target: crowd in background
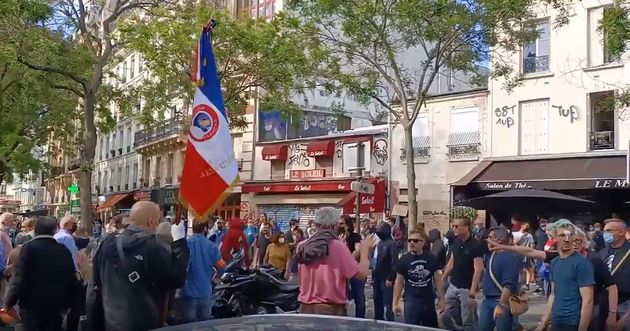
142, 271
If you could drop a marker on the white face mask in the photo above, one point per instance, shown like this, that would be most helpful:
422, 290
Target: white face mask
281, 240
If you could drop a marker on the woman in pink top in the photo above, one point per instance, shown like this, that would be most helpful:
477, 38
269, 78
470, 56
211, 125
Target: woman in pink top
325, 264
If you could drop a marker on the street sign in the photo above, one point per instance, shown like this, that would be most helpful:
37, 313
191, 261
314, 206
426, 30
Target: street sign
364, 188
73, 188
75, 207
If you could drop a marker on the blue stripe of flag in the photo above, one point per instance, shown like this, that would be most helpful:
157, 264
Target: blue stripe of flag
209, 72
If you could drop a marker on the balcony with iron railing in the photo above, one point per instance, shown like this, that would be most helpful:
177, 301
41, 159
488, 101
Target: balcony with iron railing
535, 64
602, 140
160, 131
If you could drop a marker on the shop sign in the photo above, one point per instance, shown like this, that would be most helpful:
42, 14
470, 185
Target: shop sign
504, 185
171, 196
142, 195
9, 202
370, 203
304, 174
75, 208
298, 187
611, 183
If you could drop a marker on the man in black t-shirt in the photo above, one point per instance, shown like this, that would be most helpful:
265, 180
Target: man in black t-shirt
617, 258
418, 272
465, 266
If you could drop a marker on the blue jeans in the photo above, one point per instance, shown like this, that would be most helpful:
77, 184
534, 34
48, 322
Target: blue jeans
357, 293
486, 316
420, 311
195, 309
383, 297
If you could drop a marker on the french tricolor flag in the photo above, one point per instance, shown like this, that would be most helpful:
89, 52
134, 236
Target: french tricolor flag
209, 166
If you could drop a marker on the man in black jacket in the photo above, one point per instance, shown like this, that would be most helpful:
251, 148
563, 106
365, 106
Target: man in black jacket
384, 262
134, 272
45, 282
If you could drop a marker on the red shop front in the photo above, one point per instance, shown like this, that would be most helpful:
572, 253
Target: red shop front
299, 199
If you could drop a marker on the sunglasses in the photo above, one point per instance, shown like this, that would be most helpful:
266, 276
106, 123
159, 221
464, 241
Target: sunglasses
415, 241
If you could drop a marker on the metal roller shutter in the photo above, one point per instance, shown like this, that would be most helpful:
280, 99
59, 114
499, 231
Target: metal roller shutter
282, 214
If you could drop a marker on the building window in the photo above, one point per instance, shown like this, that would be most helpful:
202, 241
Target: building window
158, 171
421, 138
350, 154
602, 120
147, 172
134, 176
536, 54
123, 72
106, 151
534, 127
129, 139
121, 140
140, 63
464, 139
169, 169
126, 178
132, 67
278, 169
598, 53
325, 163
119, 178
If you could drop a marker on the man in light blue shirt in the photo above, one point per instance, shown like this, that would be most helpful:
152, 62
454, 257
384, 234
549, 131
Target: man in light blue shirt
196, 295
67, 227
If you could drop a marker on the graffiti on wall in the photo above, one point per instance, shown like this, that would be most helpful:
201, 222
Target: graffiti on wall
505, 115
246, 213
380, 151
298, 156
572, 113
339, 149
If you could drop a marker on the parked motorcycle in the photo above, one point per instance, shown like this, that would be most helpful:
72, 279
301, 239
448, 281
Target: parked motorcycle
251, 292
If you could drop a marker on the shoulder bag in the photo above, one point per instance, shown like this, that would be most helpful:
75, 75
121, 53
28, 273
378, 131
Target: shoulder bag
519, 304
623, 259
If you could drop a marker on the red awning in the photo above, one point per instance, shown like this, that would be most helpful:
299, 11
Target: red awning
370, 203
320, 148
111, 202
274, 152
298, 186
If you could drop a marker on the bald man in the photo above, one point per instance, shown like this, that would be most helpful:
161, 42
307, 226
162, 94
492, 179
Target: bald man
133, 272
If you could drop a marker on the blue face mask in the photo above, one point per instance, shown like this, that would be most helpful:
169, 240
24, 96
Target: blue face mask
608, 238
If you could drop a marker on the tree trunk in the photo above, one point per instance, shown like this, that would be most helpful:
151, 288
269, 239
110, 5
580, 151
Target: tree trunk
411, 178
87, 158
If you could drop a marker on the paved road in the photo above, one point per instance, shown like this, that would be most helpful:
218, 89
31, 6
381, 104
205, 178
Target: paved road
529, 321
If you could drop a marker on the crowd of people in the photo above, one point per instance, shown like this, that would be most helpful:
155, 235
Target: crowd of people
142, 271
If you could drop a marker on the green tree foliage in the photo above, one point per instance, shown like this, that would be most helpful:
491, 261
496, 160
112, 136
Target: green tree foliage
31, 108
74, 45
615, 25
391, 51
257, 59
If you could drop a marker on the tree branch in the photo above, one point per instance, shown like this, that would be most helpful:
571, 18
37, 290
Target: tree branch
54, 70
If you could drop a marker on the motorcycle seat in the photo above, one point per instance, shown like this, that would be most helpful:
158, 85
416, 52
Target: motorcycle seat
289, 287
